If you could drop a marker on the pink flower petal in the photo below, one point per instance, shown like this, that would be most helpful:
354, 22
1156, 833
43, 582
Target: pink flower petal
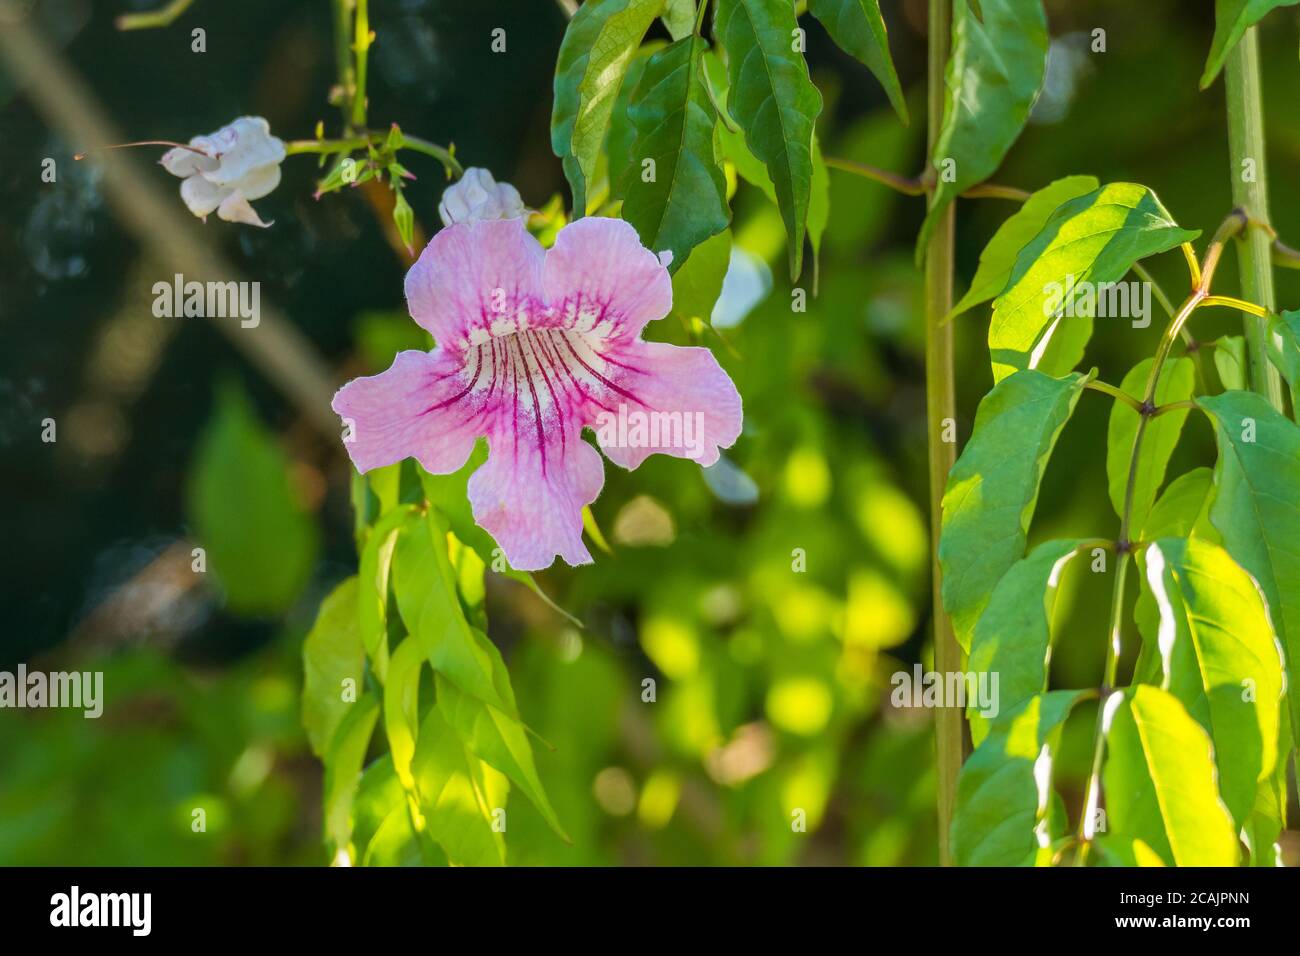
472, 276
672, 401
530, 495
599, 278
420, 408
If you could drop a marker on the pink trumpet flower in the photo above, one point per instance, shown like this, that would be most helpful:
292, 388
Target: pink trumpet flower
533, 346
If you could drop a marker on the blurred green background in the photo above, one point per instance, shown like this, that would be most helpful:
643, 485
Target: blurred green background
772, 686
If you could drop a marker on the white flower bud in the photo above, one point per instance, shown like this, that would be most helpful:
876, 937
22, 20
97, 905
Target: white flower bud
478, 196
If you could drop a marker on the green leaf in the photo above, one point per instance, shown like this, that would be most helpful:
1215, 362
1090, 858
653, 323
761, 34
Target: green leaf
1230, 361
1013, 636
679, 17
999, 256
622, 134
449, 494
1090, 240
343, 762
698, 283
774, 101
1125, 851
858, 29
685, 202
1284, 350
402, 707
731, 138
331, 654
993, 488
425, 584
1177, 381
260, 541
1268, 820
1232, 18
459, 796
1257, 509
1183, 511
599, 42
819, 208
382, 832
373, 581
993, 76
1004, 790
1220, 658
1160, 782
499, 740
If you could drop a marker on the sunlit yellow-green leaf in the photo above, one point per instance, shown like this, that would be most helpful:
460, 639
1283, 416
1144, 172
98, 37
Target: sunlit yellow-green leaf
1160, 782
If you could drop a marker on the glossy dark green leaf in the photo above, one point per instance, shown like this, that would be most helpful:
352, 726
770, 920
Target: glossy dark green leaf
993, 488
994, 72
774, 101
1177, 380
999, 256
676, 193
1220, 658
331, 654
260, 542
859, 30
1232, 18
599, 43
731, 138
1090, 240
1013, 636
1004, 790
622, 134
1257, 508
1160, 783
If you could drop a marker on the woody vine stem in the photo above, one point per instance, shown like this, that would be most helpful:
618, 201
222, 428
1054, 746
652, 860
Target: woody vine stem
940, 407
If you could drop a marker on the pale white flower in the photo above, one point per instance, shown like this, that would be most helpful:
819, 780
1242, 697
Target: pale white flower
239, 162
478, 196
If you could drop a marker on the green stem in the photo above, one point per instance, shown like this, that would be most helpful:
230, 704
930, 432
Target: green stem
361, 47
439, 153
349, 144
940, 408
343, 64
162, 17
298, 147
1116, 393
1246, 148
1124, 548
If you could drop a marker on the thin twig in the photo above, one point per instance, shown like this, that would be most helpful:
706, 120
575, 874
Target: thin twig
162, 17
